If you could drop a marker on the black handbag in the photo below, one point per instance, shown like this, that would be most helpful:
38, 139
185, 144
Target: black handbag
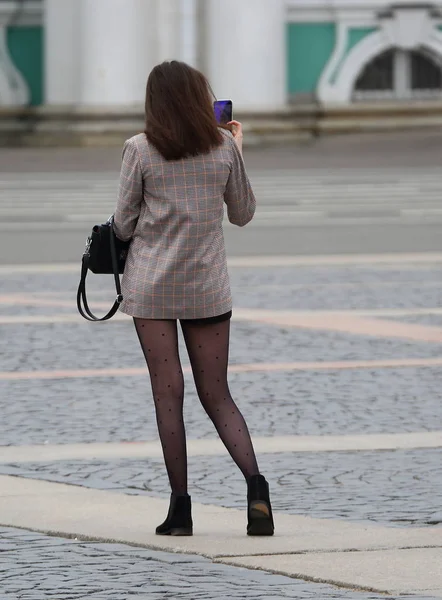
104, 254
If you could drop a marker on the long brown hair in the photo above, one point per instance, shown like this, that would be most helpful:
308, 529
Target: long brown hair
180, 120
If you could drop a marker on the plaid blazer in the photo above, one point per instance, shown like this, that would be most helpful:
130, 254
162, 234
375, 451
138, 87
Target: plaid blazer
173, 213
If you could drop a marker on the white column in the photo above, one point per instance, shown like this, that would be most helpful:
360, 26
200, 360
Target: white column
117, 51
247, 52
62, 52
168, 30
177, 31
189, 32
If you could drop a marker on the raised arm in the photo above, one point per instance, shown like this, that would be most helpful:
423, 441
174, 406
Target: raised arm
239, 196
130, 194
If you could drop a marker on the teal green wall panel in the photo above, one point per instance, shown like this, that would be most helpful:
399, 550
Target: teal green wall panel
309, 46
26, 50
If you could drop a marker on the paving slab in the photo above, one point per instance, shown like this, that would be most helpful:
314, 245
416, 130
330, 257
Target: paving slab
214, 447
109, 516
386, 571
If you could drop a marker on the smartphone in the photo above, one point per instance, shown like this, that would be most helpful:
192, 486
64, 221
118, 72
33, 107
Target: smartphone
223, 111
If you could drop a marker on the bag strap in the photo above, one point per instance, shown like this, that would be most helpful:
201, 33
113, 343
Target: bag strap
84, 310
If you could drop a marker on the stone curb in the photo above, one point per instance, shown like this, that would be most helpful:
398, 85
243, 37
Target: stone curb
403, 571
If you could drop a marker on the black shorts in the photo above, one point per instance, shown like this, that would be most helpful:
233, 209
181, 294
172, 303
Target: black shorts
209, 320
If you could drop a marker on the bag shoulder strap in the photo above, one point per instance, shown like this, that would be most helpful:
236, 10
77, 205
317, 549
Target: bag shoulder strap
84, 309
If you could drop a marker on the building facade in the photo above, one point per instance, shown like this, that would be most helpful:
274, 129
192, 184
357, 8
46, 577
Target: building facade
264, 54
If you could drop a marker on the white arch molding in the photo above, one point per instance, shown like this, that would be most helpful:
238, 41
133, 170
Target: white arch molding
341, 90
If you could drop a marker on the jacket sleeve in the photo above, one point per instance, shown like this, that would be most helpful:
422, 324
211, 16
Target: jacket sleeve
239, 196
130, 195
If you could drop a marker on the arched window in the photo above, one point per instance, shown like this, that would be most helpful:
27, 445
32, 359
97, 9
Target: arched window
425, 73
400, 75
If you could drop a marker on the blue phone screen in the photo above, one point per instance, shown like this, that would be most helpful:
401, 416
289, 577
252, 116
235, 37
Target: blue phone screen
223, 111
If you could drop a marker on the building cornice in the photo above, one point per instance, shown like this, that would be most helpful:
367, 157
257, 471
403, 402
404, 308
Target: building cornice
316, 11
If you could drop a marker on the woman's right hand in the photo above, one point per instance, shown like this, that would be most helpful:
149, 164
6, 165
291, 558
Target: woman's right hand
237, 133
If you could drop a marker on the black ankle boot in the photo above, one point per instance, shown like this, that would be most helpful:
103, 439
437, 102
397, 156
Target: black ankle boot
259, 512
179, 517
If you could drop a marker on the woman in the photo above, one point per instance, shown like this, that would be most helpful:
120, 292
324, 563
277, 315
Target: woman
175, 179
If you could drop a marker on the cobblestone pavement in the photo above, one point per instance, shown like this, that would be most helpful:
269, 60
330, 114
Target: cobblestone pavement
356, 194
398, 488
391, 488
310, 288
75, 345
305, 403
75, 570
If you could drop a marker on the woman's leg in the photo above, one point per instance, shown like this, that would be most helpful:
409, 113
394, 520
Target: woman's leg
159, 341
208, 348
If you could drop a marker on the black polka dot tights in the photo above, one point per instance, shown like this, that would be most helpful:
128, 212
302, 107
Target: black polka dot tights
208, 349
